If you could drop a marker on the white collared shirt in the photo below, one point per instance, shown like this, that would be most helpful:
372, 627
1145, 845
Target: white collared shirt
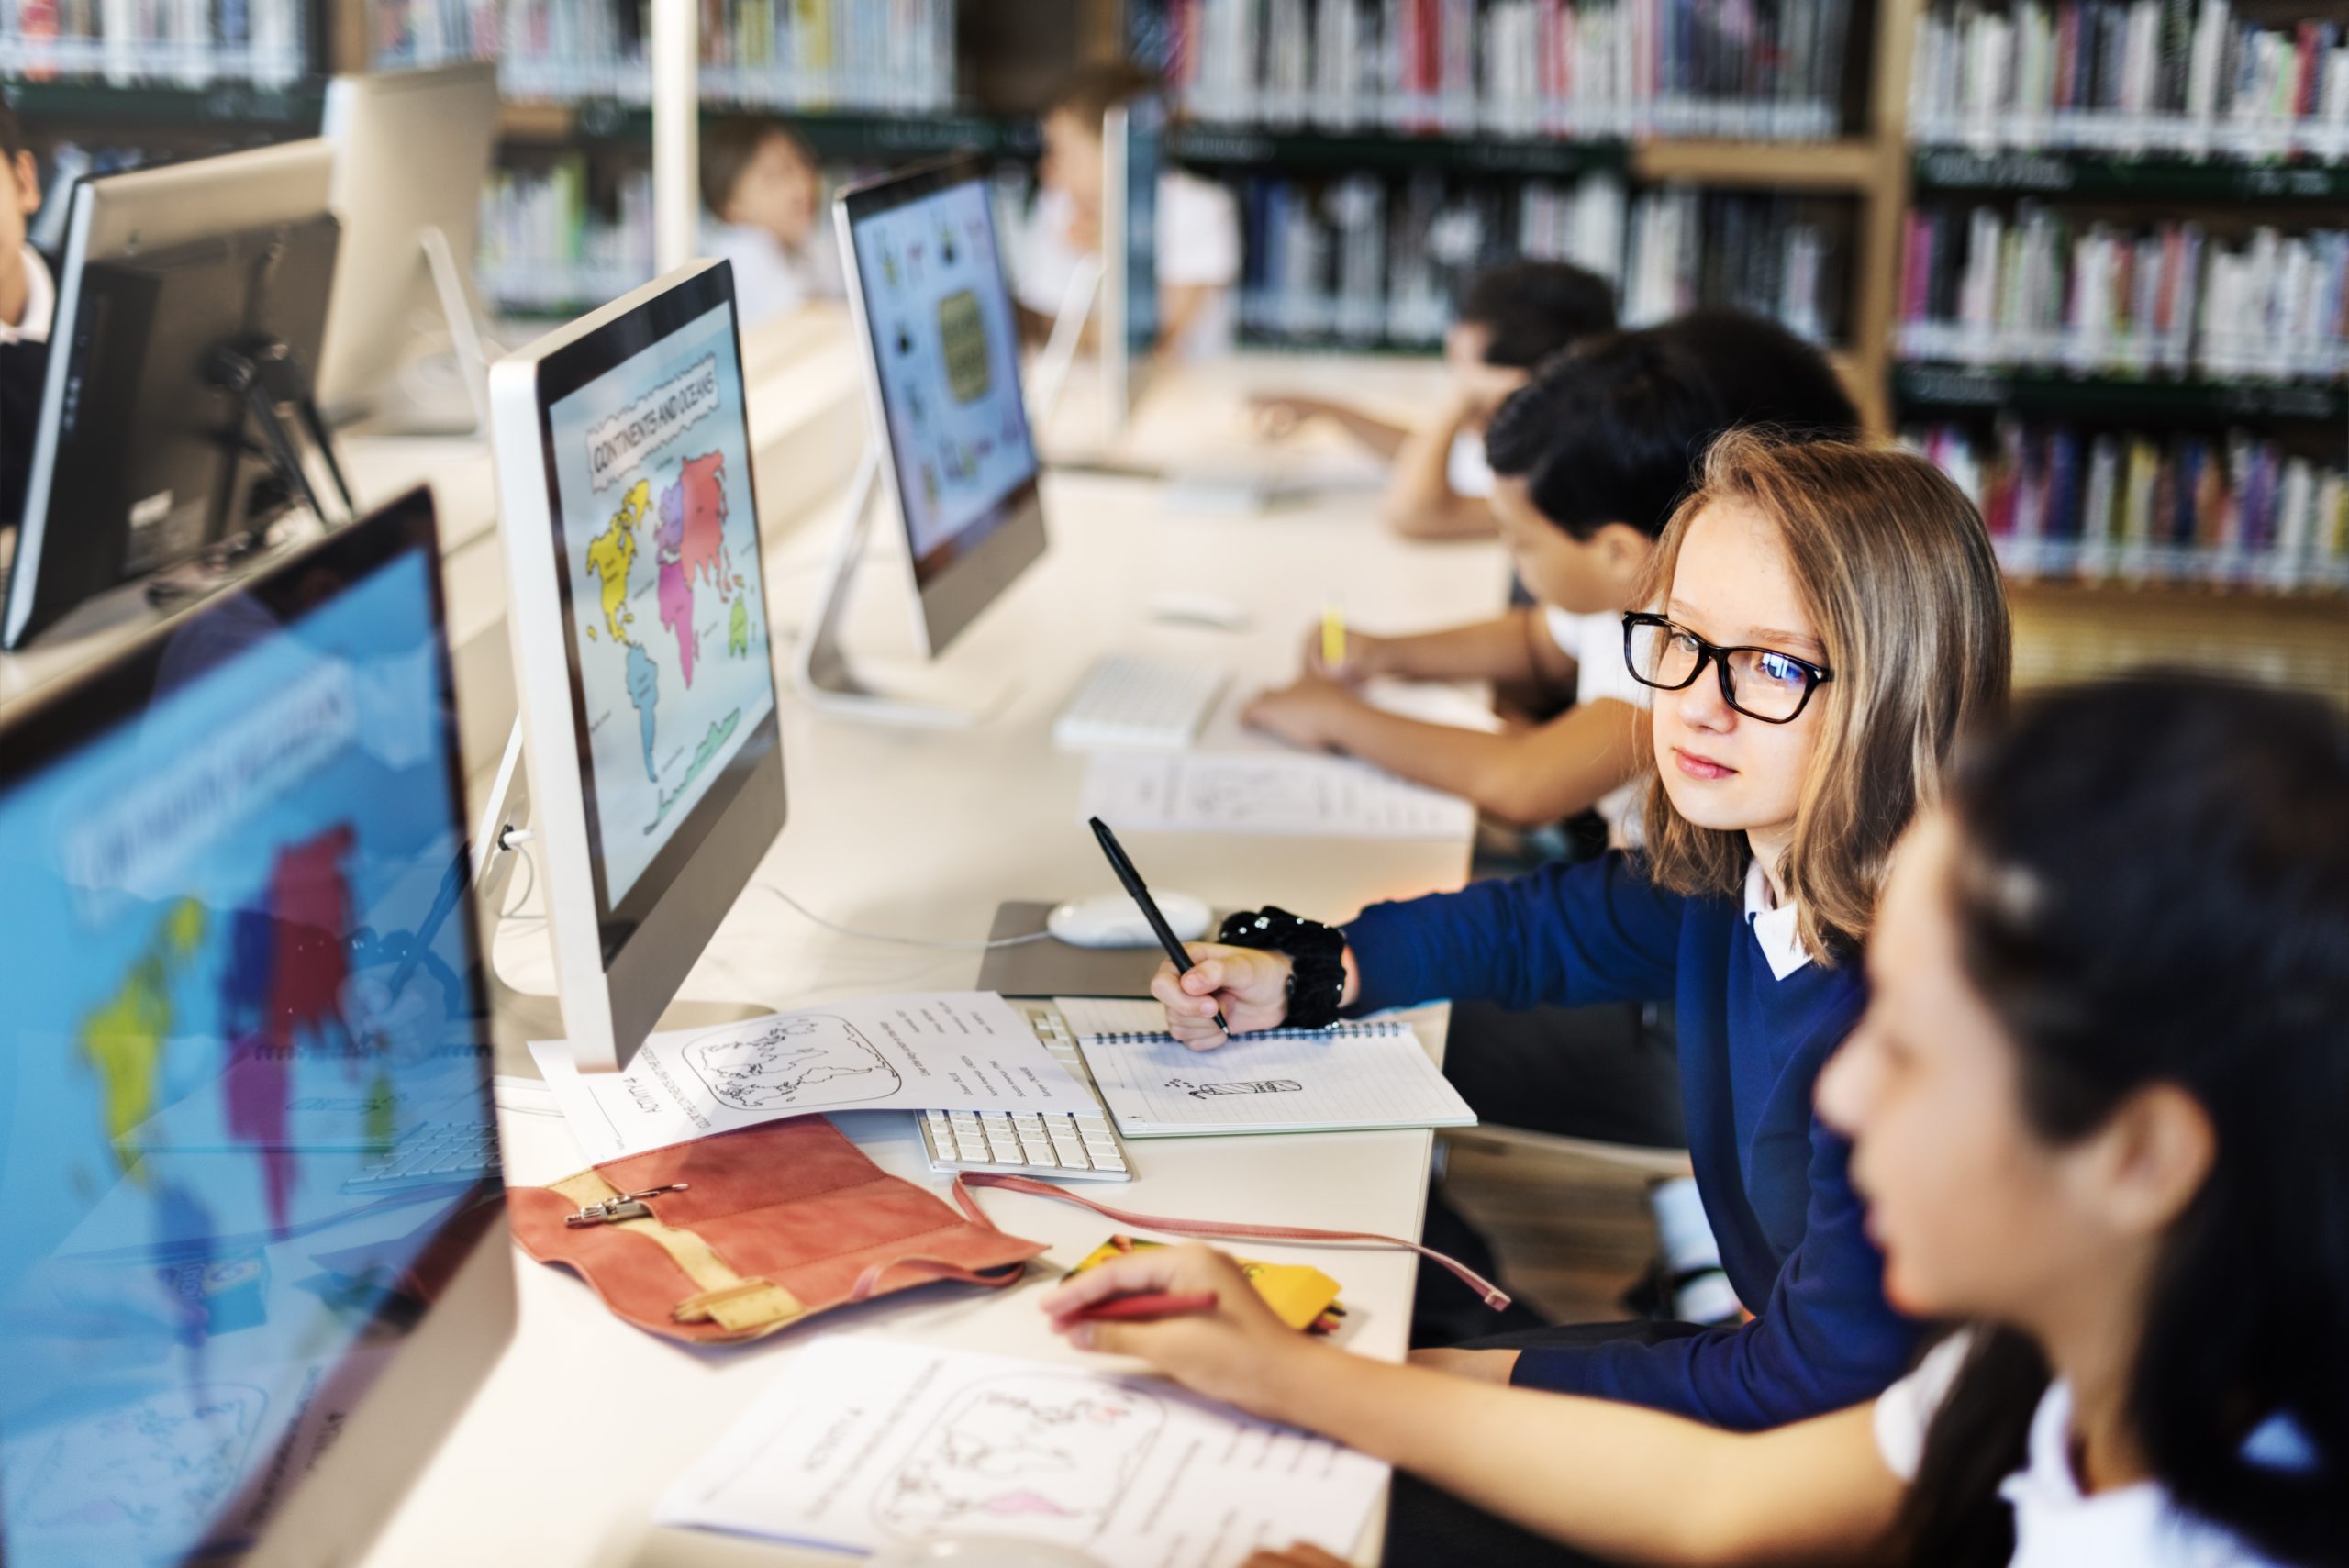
1775, 925
40, 304
1595, 642
2056, 1524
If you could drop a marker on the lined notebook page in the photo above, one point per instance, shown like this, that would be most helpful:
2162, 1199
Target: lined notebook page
1355, 1076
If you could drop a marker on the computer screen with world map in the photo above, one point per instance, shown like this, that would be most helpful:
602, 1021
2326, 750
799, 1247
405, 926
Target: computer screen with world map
232, 861
669, 624
641, 654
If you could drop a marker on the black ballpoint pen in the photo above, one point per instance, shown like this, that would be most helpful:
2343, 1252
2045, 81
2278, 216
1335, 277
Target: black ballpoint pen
1141, 895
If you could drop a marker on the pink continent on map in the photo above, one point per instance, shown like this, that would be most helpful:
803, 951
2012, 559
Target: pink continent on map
691, 543
677, 612
703, 481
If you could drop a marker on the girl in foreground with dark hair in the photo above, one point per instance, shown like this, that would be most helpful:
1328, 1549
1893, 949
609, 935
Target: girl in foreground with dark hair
2096, 1102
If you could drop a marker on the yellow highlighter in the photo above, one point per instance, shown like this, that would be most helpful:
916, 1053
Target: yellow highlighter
1333, 637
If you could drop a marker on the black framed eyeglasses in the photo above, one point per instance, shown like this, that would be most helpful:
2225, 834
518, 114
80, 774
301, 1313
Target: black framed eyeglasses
1760, 683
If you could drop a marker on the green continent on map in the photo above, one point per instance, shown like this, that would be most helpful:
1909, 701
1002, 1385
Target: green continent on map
611, 553
122, 1039
720, 733
738, 626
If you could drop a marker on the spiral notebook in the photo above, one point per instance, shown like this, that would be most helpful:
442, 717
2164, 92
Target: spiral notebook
1351, 1077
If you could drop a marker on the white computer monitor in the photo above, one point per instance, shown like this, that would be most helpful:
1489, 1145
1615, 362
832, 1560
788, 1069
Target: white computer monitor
403, 347
640, 642
241, 977
955, 453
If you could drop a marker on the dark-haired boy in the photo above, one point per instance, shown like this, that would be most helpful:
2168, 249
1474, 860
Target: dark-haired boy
1509, 319
1588, 457
28, 305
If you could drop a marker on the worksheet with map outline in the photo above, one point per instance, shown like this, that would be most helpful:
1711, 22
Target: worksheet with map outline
660, 553
944, 1051
867, 1441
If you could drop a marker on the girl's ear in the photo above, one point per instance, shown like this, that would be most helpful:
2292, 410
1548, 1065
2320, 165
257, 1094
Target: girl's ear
2151, 1159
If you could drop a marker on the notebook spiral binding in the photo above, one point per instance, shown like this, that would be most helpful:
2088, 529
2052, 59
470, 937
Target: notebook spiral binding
1335, 1031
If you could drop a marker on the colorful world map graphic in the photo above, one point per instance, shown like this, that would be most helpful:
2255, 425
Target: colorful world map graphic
687, 547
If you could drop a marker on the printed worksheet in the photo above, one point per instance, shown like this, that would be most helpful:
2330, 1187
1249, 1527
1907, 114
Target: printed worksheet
1194, 791
866, 1442
945, 1050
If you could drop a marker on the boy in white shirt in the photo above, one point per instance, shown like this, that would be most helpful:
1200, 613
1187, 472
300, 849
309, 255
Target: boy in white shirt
761, 185
1197, 223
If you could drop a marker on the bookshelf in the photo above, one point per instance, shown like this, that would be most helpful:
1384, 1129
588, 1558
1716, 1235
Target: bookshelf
2163, 449
1694, 155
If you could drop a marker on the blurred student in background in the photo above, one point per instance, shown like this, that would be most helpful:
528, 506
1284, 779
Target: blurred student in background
1509, 319
764, 194
1198, 222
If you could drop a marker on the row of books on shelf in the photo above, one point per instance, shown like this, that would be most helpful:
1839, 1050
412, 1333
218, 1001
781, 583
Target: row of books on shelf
1579, 68
548, 249
2231, 510
1365, 262
2187, 78
2034, 288
802, 54
187, 44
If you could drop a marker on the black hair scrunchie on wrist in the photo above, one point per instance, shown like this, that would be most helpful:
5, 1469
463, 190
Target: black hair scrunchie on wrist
1316, 979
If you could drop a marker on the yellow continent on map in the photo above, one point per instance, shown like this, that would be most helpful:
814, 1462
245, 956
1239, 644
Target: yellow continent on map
123, 1038
611, 553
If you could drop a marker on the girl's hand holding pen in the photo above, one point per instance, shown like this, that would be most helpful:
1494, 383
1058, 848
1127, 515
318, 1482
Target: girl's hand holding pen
1226, 1351
1248, 986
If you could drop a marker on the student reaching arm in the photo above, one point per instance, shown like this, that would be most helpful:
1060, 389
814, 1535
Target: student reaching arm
1509, 319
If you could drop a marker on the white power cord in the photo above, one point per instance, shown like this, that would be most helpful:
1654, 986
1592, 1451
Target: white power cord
836, 927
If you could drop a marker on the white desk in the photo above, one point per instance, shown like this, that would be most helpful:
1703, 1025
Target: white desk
585, 1421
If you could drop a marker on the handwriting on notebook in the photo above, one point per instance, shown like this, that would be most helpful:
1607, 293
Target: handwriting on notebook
1353, 1077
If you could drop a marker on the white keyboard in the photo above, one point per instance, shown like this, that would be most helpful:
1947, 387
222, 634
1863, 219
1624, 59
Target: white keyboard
1081, 1147
1129, 704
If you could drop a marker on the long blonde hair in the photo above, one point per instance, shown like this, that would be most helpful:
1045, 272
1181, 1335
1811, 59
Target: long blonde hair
1895, 569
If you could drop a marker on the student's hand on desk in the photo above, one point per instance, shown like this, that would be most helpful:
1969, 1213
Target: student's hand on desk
1366, 657
1228, 1353
1303, 713
1278, 415
1249, 988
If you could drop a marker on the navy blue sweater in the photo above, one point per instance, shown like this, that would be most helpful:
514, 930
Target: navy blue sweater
1773, 1177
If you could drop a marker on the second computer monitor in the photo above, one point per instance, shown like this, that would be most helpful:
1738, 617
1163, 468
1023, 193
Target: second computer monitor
928, 288
640, 626
412, 151
143, 456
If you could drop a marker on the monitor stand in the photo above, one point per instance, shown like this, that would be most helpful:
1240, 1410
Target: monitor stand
277, 396
821, 670
517, 1017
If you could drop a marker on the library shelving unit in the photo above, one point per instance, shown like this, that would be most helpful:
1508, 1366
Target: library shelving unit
2118, 317
1681, 147
566, 219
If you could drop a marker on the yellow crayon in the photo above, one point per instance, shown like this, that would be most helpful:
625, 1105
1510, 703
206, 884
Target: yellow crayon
1333, 637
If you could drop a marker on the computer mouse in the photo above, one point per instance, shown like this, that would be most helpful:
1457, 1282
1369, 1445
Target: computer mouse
1188, 607
1114, 921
